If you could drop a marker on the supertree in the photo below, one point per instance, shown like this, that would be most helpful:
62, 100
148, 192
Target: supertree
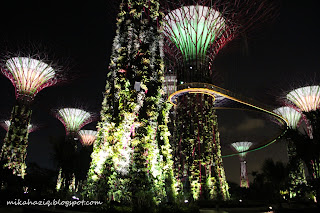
307, 99
29, 76
241, 148
73, 120
131, 157
195, 31
296, 167
296, 172
87, 137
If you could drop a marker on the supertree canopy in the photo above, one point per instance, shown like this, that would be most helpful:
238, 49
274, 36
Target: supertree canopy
290, 114
29, 76
196, 30
87, 137
241, 148
73, 119
306, 98
193, 29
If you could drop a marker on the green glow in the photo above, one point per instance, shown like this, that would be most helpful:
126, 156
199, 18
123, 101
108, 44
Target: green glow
242, 147
193, 29
73, 118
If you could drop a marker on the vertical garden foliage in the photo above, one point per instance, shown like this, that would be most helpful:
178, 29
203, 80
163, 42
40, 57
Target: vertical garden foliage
131, 153
198, 163
163, 135
14, 149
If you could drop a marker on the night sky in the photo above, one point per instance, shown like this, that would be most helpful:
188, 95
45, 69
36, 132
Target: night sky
277, 57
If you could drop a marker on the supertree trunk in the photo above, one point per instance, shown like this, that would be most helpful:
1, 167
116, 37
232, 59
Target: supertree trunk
198, 162
312, 154
308, 150
14, 149
244, 181
296, 173
127, 157
66, 181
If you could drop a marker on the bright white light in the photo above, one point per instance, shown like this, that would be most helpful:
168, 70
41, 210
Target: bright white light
290, 114
73, 119
75, 198
186, 201
29, 75
240, 200
306, 98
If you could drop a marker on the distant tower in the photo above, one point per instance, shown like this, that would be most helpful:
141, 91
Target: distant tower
73, 120
29, 76
87, 137
296, 173
242, 147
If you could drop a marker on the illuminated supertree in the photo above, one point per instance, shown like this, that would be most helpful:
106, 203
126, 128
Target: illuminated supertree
29, 76
241, 147
290, 114
87, 137
131, 159
307, 99
296, 173
73, 120
195, 31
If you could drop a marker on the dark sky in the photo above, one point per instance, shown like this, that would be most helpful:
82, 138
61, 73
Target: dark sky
79, 36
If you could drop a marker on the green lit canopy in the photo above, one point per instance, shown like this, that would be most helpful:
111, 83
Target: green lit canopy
193, 28
242, 147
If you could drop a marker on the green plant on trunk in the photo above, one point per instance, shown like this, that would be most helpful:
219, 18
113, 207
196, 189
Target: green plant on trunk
131, 150
14, 149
